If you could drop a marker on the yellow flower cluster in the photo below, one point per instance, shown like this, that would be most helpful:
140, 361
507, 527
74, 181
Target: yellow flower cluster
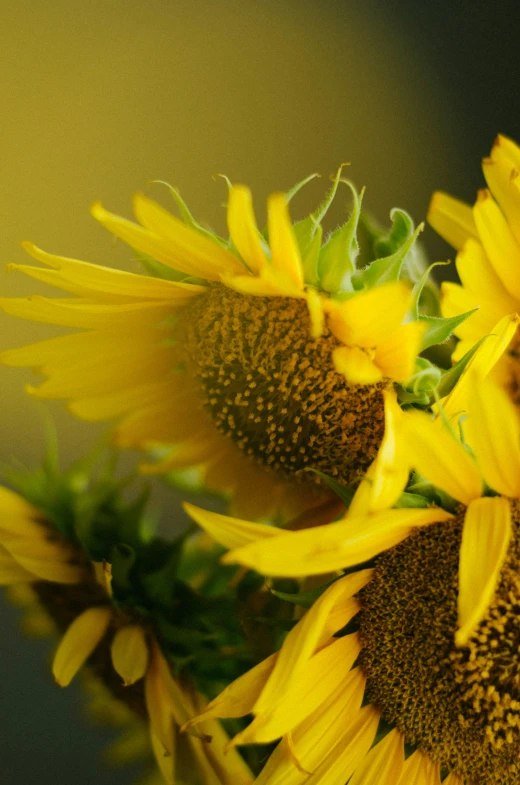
373, 493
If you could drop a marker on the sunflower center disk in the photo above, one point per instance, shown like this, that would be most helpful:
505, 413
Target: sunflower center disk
274, 390
461, 706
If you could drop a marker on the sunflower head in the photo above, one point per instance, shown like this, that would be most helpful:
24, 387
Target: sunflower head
252, 357
150, 618
487, 238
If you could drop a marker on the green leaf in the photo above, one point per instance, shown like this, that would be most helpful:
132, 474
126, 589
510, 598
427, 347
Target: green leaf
439, 328
310, 259
342, 492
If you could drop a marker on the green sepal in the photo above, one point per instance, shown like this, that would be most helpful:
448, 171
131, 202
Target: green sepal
413, 500
418, 387
342, 492
418, 289
310, 259
402, 229
388, 268
451, 377
305, 598
158, 269
337, 261
437, 497
291, 193
308, 230
440, 328
187, 216
122, 559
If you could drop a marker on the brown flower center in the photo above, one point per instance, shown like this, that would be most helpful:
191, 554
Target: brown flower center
460, 705
273, 389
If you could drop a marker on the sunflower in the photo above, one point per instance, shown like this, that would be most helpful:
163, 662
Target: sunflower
50, 573
432, 628
487, 238
252, 359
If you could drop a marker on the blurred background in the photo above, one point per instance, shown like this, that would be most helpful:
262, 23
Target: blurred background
99, 98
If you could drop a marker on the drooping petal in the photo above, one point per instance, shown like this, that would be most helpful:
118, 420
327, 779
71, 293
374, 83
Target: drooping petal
130, 653
329, 548
420, 769
243, 228
384, 762
492, 430
387, 476
452, 219
78, 643
395, 356
368, 318
239, 697
282, 241
439, 457
498, 241
453, 779
230, 532
355, 365
485, 539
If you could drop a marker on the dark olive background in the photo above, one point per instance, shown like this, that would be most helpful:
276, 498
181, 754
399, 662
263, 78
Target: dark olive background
98, 98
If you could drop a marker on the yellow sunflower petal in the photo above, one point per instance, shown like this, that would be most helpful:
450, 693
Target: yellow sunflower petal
243, 229
452, 219
384, 762
501, 175
78, 643
200, 254
329, 548
342, 761
368, 318
319, 735
439, 457
230, 532
420, 769
453, 779
165, 758
130, 653
356, 365
387, 476
498, 241
108, 406
479, 278
12, 572
110, 280
270, 283
485, 540
312, 631
483, 361
189, 252
320, 678
505, 148
282, 241
158, 708
492, 430
239, 697
316, 312
395, 357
